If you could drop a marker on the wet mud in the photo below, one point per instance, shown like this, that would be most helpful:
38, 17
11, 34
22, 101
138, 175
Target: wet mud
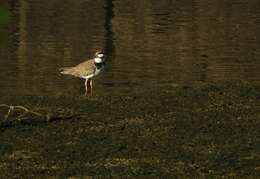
176, 132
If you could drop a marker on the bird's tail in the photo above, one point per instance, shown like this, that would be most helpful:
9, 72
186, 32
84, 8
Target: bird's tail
66, 70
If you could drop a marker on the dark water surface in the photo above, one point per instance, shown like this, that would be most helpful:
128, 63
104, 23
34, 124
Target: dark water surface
149, 43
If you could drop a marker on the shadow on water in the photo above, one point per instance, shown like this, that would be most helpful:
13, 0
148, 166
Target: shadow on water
148, 43
109, 45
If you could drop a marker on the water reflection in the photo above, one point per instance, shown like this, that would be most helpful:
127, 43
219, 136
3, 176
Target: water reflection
148, 43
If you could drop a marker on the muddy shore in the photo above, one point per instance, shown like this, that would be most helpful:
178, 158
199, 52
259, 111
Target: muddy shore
176, 132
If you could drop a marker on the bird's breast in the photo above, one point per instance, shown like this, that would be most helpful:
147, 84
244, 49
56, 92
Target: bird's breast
99, 70
95, 73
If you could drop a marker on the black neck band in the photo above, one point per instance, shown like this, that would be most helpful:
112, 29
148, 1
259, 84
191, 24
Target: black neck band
99, 65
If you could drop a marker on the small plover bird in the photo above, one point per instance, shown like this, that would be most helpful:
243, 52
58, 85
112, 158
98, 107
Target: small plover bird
87, 70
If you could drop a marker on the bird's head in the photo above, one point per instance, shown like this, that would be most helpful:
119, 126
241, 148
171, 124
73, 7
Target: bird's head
99, 57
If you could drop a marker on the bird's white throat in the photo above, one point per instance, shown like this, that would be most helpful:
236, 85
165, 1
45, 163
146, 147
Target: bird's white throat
98, 60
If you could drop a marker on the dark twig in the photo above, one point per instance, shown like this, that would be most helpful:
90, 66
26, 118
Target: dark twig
26, 111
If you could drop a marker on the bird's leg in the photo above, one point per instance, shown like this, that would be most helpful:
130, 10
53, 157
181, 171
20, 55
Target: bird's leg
88, 86
91, 86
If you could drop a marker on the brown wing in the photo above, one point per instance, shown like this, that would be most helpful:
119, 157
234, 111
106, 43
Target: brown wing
83, 69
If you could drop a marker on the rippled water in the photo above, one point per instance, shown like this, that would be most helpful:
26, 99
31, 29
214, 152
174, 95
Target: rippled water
149, 43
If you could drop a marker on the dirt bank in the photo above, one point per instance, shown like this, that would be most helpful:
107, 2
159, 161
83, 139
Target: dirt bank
207, 130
